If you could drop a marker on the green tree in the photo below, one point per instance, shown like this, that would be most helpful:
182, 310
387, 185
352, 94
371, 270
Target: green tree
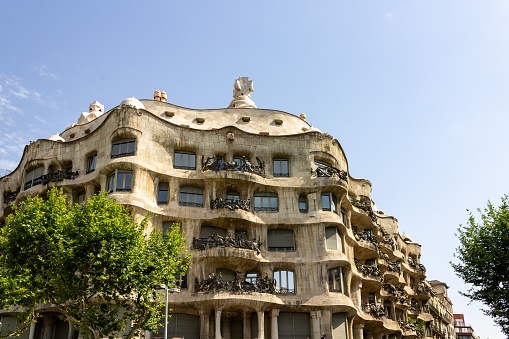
484, 261
91, 262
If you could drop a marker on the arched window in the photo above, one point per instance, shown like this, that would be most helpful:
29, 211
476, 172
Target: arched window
303, 204
123, 148
120, 181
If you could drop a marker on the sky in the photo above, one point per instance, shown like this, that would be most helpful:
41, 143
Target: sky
415, 91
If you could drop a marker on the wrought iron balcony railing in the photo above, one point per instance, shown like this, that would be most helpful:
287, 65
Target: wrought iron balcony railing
52, 177
238, 285
219, 163
216, 240
370, 271
230, 204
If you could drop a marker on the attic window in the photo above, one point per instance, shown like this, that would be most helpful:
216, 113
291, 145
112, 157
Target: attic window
246, 119
200, 120
87, 131
184, 125
72, 135
278, 122
264, 133
169, 114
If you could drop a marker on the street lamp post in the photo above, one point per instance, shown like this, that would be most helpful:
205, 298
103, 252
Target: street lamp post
167, 290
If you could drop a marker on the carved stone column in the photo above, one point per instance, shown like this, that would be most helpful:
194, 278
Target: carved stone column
358, 331
246, 328
315, 324
274, 332
261, 325
218, 324
48, 327
204, 325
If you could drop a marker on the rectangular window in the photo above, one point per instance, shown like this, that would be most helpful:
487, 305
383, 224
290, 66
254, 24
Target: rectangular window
281, 168
329, 202
267, 202
191, 196
303, 204
119, 181
33, 177
91, 163
336, 282
123, 148
285, 282
184, 160
343, 216
333, 238
162, 193
233, 196
280, 240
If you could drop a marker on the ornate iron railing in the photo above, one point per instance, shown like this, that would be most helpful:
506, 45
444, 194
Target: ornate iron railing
10, 196
238, 285
219, 163
397, 292
375, 310
406, 326
327, 171
366, 237
52, 177
230, 204
394, 266
215, 240
370, 271
366, 207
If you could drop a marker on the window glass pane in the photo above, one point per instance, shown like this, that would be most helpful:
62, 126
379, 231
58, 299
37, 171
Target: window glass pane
326, 205
178, 159
257, 202
199, 199
277, 166
131, 147
116, 149
192, 160
284, 167
128, 180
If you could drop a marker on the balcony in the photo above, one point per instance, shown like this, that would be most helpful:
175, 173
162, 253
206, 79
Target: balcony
397, 292
369, 271
52, 177
327, 171
366, 207
216, 240
230, 204
238, 285
374, 310
218, 163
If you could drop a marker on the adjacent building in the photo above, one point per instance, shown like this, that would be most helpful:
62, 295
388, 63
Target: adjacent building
463, 330
286, 242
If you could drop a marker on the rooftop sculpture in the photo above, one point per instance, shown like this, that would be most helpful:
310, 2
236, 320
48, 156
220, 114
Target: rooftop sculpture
242, 87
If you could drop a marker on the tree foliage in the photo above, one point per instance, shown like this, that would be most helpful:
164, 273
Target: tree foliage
91, 262
484, 260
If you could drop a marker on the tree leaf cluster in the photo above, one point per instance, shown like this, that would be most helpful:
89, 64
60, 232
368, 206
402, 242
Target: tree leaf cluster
484, 260
91, 262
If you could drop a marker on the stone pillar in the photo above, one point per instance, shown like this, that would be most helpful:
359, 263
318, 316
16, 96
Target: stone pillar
261, 325
218, 324
204, 325
32, 331
246, 328
358, 331
315, 324
48, 326
70, 332
326, 323
274, 333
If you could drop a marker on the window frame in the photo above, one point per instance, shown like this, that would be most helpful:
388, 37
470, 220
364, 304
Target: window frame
34, 176
264, 202
336, 280
180, 163
287, 277
116, 175
337, 234
162, 190
280, 233
333, 202
91, 163
280, 165
191, 191
303, 199
117, 148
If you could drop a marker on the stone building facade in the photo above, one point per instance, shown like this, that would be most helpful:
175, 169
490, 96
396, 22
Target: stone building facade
286, 243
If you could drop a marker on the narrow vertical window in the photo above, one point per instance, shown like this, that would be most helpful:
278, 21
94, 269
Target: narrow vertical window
329, 202
91, 163
281, 168
333, 238
336, 281
162, 193
303, 204
285, 281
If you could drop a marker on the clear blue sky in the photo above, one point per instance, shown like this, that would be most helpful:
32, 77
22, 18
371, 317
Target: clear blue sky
415, 91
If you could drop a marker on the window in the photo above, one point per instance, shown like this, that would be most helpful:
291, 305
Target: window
123, 148
333, 239
388, 309
280, 240
168, 225
181, 280
184, 160
343, 216
162, 193
191, 196
329, 202
281, 168
285, 282
371, 298
336, 282
400, 315
80, 197
91, 163
265, 202
33, 177
120, 181
209, 231
370, 262
252, 277
233, 196
303, 204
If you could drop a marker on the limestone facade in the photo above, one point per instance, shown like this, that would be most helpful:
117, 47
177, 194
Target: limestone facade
286, 243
